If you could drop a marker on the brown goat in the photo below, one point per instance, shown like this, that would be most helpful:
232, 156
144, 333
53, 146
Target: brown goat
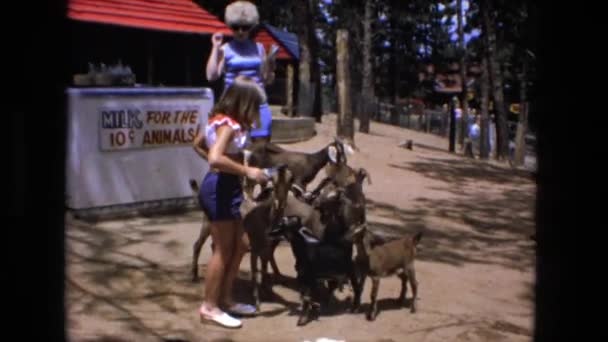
304, 166
384, 259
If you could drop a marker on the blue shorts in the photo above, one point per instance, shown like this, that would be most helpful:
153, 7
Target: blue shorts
265, 129
220, 196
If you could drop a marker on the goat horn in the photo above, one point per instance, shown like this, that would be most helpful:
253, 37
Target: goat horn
363, 173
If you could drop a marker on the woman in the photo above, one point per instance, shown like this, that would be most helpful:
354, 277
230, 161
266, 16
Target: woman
243, 56
220, 196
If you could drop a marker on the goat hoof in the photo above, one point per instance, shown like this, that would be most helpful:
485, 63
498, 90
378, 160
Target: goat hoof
302, 321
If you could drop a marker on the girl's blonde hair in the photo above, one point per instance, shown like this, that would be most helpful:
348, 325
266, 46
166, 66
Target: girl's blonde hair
241, 13
241, 101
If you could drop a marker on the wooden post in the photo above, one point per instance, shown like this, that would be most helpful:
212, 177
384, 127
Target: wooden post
345, 127
452, 109
289, 89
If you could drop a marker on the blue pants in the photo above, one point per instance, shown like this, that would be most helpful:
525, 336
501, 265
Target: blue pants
265, 129
220, 196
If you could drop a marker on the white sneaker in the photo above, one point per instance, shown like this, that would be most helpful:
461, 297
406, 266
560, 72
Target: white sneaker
221, 318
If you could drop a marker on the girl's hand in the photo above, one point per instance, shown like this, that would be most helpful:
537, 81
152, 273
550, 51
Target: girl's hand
216, 39
256, 175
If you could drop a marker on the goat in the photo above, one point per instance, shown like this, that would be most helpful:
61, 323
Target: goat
318, 261
341, 197
380, 259
205, 230
258, 223
303, 166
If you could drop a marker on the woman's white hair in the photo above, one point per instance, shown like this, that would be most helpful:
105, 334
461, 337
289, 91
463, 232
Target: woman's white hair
241, 13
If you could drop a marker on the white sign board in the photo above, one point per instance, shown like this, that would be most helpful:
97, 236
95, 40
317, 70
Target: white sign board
133, 145
142, 124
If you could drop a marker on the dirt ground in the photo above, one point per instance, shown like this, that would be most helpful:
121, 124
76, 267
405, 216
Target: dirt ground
129, 280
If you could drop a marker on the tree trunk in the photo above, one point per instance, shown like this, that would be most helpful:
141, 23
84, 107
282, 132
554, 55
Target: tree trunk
289, 90
304, 73
367, 86
317, 109
522, 124
485, 99
395, 71
464, 104
345, 126
502, 135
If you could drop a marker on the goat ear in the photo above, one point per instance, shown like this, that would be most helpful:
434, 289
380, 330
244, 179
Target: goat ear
348, 149
332, 153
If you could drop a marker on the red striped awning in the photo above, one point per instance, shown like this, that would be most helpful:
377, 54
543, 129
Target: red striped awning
164, 15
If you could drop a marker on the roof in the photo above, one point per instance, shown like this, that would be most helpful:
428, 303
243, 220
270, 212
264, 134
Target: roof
166, 15
287, 42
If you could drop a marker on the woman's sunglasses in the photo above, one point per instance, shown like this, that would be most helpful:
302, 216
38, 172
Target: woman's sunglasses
241, 27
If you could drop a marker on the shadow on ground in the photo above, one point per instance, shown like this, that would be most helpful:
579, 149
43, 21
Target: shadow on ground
107, 281
473, 226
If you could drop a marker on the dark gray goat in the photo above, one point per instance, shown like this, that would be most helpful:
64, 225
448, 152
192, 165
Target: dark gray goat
318, 261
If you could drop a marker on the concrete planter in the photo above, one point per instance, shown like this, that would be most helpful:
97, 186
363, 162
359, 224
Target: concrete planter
291, 130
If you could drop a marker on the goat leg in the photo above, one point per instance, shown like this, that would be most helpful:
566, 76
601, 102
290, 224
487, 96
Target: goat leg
358, 286
403, 293
266, 284
357, 292
254, 280
196, 249
306, 306
311, 196
373, 308
273, 262
414, 283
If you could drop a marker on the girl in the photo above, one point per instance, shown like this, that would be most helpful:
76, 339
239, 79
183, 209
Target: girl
220, 195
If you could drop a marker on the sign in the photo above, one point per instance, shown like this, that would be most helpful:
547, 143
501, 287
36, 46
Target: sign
144, 125
133, 145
